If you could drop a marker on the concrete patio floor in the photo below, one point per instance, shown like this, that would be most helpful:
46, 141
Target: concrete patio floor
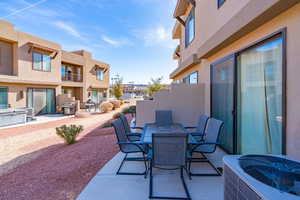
107, 185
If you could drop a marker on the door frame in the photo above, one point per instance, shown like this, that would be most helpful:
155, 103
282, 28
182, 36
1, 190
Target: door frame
283, 34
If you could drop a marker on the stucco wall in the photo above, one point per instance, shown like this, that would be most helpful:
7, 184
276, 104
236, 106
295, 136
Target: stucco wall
18, 64
209, 19
186, 101
291, 20
17, 93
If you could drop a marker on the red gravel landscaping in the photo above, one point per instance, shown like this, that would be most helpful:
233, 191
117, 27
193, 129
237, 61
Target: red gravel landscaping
61, 172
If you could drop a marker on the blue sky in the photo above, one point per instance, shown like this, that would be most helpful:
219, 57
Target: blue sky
133, 36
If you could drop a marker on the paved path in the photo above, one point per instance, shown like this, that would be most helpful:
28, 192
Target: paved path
20, 145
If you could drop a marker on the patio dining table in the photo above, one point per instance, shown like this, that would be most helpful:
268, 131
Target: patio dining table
149, 129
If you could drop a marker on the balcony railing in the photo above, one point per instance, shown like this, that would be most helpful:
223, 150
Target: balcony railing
75, 77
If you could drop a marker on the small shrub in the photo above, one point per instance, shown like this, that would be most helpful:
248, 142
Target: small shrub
106, 107
69, 133
117, 115
107, 124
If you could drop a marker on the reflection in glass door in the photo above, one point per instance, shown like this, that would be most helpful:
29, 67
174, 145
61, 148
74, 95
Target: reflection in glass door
259, 119
222, 99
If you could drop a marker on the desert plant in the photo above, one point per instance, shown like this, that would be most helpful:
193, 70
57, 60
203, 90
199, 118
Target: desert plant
106, 107
117, 89
69, 133
155, 85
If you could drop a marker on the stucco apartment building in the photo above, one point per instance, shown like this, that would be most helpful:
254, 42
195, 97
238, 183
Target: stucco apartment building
245, 54
35, 72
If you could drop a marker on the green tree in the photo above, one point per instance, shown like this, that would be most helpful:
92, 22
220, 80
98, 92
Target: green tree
117, 89
155, 85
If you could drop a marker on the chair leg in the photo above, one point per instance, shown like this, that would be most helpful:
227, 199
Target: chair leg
184, 184
204, 159
151, 182
131, 159
146, 167
187, 170
159, 197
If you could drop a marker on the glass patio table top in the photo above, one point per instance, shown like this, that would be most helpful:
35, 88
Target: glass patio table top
149, 129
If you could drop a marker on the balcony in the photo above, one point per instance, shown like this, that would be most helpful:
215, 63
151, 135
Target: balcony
69, 76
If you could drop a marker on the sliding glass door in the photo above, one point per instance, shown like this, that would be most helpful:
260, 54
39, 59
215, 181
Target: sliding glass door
260, 113
3, 98
222, 99
42, 100
248, 94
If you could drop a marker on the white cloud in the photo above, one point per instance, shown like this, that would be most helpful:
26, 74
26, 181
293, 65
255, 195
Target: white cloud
116, 42
69, 29
158, 36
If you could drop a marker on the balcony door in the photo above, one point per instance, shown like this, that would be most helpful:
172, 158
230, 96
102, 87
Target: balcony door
222, 99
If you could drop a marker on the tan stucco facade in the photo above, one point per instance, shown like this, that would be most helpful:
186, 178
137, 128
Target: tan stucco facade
17, 72
225, 32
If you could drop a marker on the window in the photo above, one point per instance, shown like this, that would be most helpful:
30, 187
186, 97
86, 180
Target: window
3, 98
41, 62
190, 28
191, 78
186, 80
194, 78
63, 72
220, 3
99, 74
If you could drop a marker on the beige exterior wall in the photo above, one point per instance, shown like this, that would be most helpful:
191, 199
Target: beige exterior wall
89, 65
289, 19
186, 113
17, 73
209, 19
17, 93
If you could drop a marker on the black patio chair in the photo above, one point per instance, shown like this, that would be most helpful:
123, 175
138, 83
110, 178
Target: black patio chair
163, 118
207, 146
132, 136
199, 130
128, 147
168, 153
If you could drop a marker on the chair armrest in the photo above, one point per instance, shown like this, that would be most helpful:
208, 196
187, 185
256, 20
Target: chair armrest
138, 144
133, 134
137, 127
190, 127
203, 143
197, 133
